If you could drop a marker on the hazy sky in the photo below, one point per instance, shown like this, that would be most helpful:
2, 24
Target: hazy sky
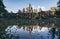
15, 5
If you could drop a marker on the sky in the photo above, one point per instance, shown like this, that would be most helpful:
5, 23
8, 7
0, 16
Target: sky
15, 5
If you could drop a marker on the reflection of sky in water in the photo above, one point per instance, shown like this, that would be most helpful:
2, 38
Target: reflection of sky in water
24, 34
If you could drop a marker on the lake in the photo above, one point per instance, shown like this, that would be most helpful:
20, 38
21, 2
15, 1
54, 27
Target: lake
15, 29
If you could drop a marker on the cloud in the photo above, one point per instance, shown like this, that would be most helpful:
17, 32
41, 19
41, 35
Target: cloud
42, 7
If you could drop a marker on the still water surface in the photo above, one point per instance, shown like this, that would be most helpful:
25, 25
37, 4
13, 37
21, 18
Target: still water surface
29, 32
13, 29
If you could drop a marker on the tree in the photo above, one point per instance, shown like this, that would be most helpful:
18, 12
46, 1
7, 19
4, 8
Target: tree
53, 11
19, 12
58, 3
53, 32
57, 12
2, 8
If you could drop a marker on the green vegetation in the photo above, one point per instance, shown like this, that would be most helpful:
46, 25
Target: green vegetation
20, 18
20, 15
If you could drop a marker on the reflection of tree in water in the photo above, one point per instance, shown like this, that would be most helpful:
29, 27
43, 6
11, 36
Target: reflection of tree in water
53, 31
58, 33
5, 23
31, 28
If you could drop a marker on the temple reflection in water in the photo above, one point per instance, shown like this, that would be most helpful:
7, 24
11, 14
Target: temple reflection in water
35, 30
29, 32
30, 28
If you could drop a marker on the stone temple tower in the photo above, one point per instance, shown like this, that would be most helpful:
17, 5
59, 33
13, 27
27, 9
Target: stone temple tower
29, 9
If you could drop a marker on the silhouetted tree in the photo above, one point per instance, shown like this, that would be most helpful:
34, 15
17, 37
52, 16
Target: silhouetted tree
58, 3
52, 31
3, 11
1, 7
58, 33
19, 11
57, 12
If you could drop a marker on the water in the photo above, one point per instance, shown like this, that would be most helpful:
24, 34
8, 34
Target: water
29, 32
12, 29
